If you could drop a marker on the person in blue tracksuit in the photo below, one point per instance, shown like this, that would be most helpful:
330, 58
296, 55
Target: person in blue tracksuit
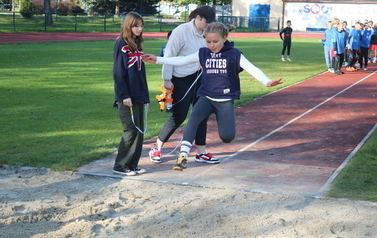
354, 46
366, 34
339, 42
221, 64
327, 46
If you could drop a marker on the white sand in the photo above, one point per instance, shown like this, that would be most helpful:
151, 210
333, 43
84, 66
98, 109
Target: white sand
60, 204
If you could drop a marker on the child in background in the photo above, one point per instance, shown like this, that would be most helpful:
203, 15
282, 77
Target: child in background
339, 42
354, 46
327, 46
131, 92
366, 34
373, 44
163, 48
335, 22
346, 50
286, 37
370, 25
220, 86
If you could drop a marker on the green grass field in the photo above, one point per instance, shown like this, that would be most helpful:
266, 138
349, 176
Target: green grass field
56, 101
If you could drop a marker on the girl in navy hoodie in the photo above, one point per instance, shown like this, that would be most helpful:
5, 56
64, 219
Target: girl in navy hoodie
221, 64
131, 92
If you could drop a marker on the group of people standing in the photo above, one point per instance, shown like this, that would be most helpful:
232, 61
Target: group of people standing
201, 67
355, 47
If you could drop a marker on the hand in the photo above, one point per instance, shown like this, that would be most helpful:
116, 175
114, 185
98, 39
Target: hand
149, 58
127, 102
274, 83
168, 85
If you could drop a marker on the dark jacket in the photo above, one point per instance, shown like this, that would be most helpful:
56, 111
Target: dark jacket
220, 78
129, 74
373, 38
286, 34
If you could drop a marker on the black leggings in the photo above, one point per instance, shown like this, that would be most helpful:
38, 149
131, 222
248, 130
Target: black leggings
181, 108
363, 56
338, 61
352, 58
225, 117
288, 50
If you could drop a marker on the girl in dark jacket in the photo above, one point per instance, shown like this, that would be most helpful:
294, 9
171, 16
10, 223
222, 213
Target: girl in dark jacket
131, 92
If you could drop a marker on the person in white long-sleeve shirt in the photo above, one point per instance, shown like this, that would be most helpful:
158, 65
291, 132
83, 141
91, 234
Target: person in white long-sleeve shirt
186, 39
220, 86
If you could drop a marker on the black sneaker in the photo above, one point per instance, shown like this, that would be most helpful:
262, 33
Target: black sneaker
139, 170
124, 172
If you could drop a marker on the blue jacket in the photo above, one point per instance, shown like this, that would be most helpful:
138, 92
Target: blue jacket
339, 41
220, 78
365, 38
328, 36
354, 39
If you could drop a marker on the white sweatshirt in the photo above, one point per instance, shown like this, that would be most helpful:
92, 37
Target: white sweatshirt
194, 58
184, 40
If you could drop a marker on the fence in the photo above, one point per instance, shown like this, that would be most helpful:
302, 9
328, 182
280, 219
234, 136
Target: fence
14, 22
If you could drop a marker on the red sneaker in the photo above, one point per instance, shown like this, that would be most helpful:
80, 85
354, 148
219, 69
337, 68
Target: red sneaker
155, 155
206, 158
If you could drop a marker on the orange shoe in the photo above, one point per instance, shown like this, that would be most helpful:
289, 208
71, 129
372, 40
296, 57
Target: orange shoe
351, 69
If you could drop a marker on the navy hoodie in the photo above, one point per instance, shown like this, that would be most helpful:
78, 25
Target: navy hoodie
129, 74
220, 78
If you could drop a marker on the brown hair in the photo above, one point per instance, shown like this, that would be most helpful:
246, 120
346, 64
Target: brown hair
193, 14
134, 42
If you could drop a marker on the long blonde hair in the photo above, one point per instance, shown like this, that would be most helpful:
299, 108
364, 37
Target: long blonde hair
134, 42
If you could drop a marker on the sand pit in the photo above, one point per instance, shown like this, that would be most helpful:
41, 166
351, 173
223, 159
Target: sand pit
41, 203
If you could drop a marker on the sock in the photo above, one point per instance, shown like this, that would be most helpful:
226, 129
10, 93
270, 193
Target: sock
282, 56
185, 147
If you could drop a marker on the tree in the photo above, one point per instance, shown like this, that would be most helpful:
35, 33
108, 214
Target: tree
27, 9
144, 7
48, 14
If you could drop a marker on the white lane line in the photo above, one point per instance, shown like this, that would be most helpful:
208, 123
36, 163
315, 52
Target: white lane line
298, 117
285, 125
